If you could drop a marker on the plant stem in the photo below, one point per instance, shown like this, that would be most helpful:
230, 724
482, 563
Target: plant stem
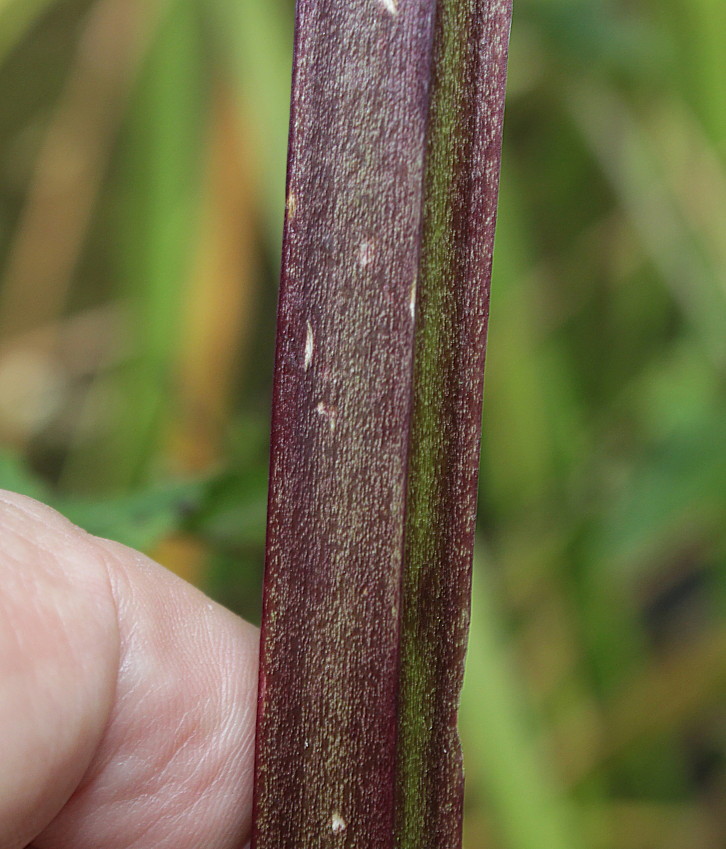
392, 183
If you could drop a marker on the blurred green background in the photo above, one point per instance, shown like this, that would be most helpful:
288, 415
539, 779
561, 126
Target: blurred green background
142, 160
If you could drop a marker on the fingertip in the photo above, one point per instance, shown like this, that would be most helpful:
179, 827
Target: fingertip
174, 769
58, 661
128, 704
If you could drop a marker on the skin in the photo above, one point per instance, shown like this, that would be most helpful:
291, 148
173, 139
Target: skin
127, 697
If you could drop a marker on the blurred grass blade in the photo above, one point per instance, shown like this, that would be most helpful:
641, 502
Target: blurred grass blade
164, 176
392, 188
254, 39
72, 164
221, 308
506, 762
617, 142
16, 18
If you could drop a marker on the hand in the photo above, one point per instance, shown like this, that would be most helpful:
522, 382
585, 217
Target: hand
127, 698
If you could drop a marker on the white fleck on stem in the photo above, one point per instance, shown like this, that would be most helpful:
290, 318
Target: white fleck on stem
412, 299
366, 253
291, 205
390, 6
338, 824
327, 412
309, 346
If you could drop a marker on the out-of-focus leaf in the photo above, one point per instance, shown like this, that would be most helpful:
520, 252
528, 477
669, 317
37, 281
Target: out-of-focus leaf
234, 511
139, 520
16, 477
598, 34
16, 18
